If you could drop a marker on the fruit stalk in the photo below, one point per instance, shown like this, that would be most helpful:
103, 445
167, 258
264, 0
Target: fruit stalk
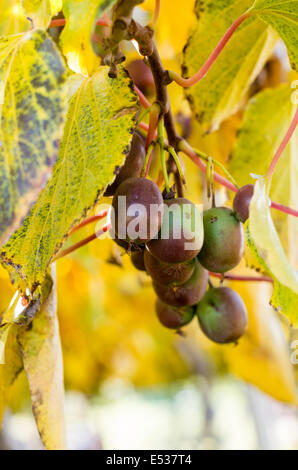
156, 13
83, 242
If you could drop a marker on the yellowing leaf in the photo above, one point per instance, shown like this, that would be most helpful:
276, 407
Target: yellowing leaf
41, 11
262, 355
42, 356
266, 120
219, 93
76, 36
32, 112
12, 366
170, 30
265, 242
282, 15
98, 131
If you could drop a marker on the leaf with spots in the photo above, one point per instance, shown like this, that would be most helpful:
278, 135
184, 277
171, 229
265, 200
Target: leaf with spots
264, 242
76, 36
40, 12
98, 131
42, 357
220, 93
32, 94
282, 15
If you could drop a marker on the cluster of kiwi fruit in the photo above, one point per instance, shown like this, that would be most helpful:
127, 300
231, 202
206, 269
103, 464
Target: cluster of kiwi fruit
180, 276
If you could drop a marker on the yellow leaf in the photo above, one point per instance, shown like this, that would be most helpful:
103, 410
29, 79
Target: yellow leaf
261, 357
174, 25
282, 15
76, 36
266, 120
42, 357
220, 93
98, 130
264, 241
11, 368
32, 112
13, 19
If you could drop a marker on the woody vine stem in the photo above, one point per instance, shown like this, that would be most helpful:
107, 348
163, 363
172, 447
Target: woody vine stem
124, 27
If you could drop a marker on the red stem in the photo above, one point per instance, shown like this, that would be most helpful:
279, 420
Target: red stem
90, 220
234, 277
226, 183
187, 149
58, 22
283, 145
83, 242
153, 122
187, 82
143, 100
61, 22
285, 209
156, 12
144, 126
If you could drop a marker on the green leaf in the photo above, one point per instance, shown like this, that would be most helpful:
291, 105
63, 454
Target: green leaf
41, 11
42, 356
219, 93
282, 15
32, 75
265, 123
76, 36
98, 131
264, 242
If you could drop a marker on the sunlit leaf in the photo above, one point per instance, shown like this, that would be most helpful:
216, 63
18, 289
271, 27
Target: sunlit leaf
12, 364
282, 15
40, 12
98, 131
76, 36
264, 241
219, 93
266, 120
13, 19
42, 356
171, 32
32, 76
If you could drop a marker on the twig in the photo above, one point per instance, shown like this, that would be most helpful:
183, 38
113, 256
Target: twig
187, 82
90, 220
143, 100
156, 13
283, 145
83, 242
62, 22
235, 277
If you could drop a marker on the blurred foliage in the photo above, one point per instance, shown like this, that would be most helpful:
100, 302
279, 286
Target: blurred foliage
106, 311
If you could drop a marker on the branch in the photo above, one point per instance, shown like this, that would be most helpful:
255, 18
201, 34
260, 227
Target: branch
235, 277
283, 145
83, 242
61, 22
90, 220
147, 47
